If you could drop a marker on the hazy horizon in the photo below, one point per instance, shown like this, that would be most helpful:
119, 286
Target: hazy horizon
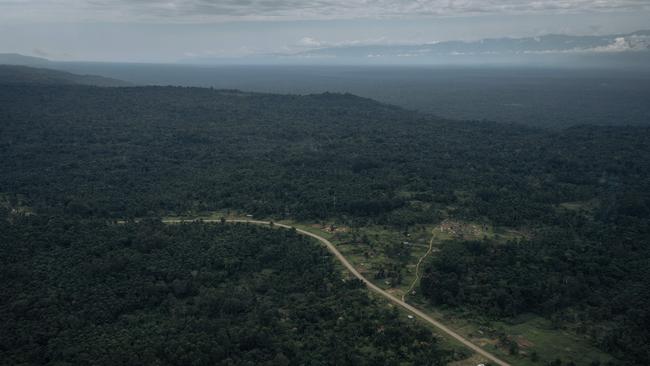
190, 30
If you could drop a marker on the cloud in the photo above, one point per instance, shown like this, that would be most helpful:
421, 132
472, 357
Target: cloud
624, 44
223, 10
40, 52
309, 42
314, 43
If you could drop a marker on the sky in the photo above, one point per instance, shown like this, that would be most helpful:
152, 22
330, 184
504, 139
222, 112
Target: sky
179, 30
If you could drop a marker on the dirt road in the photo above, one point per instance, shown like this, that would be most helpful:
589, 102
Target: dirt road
374, 287
417, 267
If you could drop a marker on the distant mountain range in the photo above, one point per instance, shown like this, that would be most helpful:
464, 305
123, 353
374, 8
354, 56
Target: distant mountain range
16, 74
552, 48
548, 44
628, 51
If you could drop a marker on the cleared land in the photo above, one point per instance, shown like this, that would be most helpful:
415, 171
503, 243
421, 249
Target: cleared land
372, 286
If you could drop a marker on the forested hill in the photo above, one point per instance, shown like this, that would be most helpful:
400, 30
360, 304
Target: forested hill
581, 194
13, 74
153, 150
18, 59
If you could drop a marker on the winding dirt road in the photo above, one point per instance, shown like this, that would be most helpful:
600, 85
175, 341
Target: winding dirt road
372, 286
417, 267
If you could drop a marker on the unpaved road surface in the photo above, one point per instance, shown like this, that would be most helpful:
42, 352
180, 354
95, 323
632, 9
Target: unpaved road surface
417, 267
372, 286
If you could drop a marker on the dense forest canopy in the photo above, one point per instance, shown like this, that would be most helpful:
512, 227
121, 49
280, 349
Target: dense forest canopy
91, 293
147, 151
99, 154
534, 96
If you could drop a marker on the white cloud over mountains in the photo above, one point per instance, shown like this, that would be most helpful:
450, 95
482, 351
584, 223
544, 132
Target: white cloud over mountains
189, 11
625, 44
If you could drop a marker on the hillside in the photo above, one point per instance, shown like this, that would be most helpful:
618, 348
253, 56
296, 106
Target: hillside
14, 74
578, 196
18, 59
547, 98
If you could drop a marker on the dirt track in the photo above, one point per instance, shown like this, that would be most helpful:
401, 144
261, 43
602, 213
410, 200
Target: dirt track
417, 267
374, 287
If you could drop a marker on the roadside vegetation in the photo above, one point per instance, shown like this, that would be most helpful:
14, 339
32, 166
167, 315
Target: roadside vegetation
525, 339
90, 292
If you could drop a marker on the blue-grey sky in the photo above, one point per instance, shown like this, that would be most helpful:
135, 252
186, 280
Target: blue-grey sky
172, 30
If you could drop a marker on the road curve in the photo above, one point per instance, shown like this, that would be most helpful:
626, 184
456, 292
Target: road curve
372, 286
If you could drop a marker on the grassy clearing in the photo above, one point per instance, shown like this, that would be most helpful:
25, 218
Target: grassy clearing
15, 204
587, 207
533, 334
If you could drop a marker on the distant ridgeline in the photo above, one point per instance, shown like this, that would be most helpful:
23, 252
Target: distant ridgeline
18, 59
15, 74
529, 93
86, 153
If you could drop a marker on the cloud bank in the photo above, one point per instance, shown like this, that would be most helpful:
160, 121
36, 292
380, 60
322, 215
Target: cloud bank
196, 11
